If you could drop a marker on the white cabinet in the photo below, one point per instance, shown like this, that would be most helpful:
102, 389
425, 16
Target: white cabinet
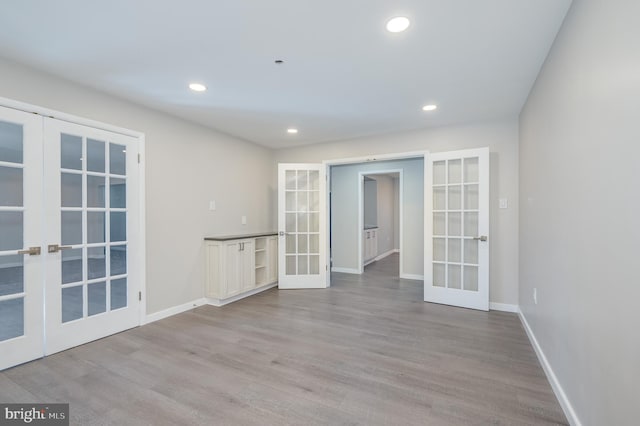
237, 268
369, 245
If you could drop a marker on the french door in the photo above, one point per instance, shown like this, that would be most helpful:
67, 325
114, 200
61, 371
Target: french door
68, 235
302, 213
21, 273
456, 233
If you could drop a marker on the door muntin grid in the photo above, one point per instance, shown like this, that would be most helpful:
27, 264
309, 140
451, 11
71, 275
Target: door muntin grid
93, 225
302, 222
455, 223
12, 177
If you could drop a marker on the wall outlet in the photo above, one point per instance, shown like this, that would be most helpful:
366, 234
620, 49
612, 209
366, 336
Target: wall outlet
535, 296
243, 220
212, 205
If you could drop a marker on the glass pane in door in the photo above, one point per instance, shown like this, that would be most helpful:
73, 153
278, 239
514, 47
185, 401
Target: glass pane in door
94, 225
455, 224
302, 195
12, 284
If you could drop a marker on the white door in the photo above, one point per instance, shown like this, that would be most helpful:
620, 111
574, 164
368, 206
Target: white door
302, 213
92, 234
21, 301
457, 231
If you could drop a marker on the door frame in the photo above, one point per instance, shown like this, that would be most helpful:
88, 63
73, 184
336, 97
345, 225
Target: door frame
366, 159
140, 255
361, 176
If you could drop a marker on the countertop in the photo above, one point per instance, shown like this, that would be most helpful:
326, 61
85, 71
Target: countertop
240, 236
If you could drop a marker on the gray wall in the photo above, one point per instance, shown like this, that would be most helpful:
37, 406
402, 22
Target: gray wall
502, 139
580, 204
396, 214
186, 166
344, 215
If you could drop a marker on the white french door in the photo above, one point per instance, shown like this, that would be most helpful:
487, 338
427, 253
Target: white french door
21, 274
91, 197
68, 235
302, 219
457, 231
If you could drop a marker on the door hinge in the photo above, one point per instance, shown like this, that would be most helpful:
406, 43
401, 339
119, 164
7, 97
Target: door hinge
140, 296
139, 158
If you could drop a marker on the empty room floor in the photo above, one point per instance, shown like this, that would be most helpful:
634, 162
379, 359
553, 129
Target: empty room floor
366, 351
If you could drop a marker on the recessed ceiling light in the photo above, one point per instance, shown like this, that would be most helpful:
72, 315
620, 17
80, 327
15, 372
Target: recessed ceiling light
292, 131
398, 24
430, 107
197, 87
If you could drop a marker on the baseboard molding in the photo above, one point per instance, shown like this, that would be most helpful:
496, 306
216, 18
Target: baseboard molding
503, 307
222, 302
412, 277
568, 409
383, 255
157, 316
345, 270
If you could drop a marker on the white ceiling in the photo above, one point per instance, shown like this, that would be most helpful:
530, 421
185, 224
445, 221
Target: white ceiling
344, 75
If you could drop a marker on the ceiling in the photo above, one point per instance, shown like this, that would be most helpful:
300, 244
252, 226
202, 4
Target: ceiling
344, 76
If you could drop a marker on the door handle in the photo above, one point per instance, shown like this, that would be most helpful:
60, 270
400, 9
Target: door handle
480, 238
282, 233
31, 251
54, 248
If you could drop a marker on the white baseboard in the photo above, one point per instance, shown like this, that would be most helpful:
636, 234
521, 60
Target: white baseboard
156, 316
383, 255
222, 302
503, 307
345, 270
412, 277
568, 409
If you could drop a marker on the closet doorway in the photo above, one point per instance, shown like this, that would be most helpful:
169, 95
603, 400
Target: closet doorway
380, 226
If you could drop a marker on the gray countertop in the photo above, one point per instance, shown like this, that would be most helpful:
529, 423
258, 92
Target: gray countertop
240, 236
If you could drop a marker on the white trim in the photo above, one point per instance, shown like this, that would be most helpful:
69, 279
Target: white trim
51, 113
568, 409
142, 231
503, 307
378, 157
383, 255
156, 316
222, 302
412, 277
345, 270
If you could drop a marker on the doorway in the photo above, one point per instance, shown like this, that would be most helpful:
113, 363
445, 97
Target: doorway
70, 240
380, 227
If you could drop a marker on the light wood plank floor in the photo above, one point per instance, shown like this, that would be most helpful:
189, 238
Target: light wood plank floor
367, 351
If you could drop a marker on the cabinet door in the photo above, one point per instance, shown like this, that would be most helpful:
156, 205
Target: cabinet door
232, 269
374, 243
272, 259
247, 265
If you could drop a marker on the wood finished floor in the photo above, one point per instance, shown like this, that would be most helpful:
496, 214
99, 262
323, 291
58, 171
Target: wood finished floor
367, 351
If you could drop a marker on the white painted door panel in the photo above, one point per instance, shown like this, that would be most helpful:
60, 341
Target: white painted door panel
302, 213
457, 229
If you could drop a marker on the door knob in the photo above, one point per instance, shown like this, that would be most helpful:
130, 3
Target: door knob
480, 238
31, 251
54, 248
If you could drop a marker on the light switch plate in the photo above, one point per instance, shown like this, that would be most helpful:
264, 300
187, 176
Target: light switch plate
243, 220
504, 203
212, 205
